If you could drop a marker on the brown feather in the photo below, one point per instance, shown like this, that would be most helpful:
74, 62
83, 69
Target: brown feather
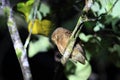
61, 37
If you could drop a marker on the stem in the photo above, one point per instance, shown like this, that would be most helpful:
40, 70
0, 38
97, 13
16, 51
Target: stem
35, 8
17, 43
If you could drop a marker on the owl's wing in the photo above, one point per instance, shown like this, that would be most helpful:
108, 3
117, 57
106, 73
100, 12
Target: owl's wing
78, 53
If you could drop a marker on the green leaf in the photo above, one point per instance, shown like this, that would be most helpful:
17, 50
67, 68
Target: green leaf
77, 71
25, 8
98, 26
39, 15
115, 54
116, 10
18, 52
41, 45
29, 2
84, 37
45, 9
105, 6
20, 5
116, 48
95, 7
6, 10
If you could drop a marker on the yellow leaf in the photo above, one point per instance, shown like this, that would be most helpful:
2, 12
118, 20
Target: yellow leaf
34, 26
47, 27
43, 27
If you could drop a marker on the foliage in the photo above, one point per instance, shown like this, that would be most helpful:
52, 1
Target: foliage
43, 27
25, 7
77, 71
41, 45
105, 34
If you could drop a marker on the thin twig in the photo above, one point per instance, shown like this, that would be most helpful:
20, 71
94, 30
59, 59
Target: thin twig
35, 8
107, 12
112, 6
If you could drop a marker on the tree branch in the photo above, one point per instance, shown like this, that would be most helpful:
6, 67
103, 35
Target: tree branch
18, 46
76, 32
